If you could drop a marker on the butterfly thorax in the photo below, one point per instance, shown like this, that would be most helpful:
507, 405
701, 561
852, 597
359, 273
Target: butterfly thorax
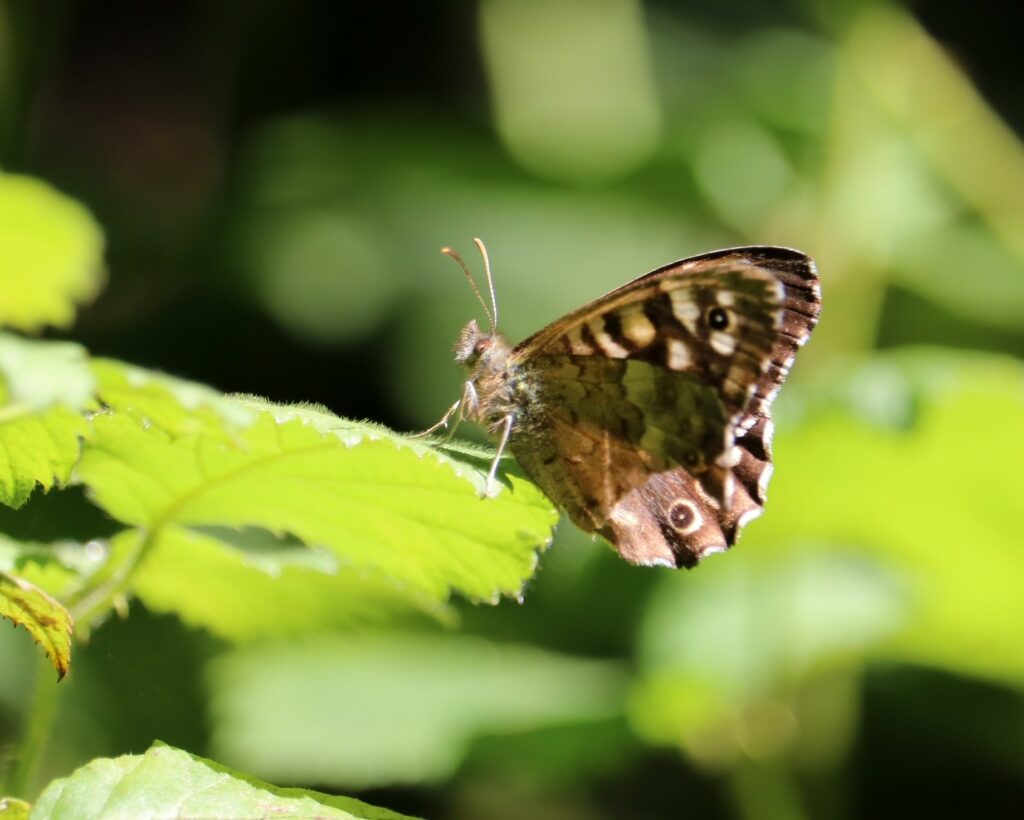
490, 395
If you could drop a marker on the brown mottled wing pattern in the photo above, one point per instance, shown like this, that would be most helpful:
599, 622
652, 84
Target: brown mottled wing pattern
646, 414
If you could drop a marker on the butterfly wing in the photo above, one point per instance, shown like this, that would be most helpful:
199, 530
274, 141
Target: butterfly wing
648, 417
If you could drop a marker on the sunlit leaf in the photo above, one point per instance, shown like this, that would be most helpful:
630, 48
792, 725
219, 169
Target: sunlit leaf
369, 503
50, 254
46, 620
43, 386
38, 374
39, 447
379, 710
244, 585
175, 406
167, 782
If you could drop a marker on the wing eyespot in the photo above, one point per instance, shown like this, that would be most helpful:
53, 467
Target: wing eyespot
684, 517
718, 318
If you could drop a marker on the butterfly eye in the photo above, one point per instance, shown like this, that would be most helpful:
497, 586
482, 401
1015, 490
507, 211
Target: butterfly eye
718, 318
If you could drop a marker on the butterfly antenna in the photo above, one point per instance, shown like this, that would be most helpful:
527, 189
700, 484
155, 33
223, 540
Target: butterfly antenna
490, 282
454, 255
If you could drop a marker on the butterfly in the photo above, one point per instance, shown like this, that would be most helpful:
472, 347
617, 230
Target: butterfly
646, 414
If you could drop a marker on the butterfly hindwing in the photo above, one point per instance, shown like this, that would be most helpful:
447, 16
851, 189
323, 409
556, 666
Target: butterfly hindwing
596, 428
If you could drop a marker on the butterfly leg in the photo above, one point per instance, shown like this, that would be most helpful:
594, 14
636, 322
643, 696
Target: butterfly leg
442, 423
506, 430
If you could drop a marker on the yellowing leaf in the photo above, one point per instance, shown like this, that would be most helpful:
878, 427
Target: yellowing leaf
44, 618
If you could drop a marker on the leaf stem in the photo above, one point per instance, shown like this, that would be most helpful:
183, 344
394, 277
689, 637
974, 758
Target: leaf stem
38, 727
91, 603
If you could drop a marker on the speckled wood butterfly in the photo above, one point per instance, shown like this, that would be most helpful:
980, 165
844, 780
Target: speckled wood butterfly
645, 415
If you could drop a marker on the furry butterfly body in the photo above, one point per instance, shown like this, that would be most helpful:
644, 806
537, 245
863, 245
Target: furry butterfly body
645, 415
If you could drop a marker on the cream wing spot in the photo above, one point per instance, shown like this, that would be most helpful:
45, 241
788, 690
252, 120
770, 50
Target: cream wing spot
763, 479
678, 355
730, 458
724, 344
684, 308
637, 327
728, 490
604, 339
620, 515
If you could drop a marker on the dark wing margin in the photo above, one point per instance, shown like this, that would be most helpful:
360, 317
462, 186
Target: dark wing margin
801, 307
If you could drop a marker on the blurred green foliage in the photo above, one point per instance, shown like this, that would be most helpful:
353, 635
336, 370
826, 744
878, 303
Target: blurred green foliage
274, 182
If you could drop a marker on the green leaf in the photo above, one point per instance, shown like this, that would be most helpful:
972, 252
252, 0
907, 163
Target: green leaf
39, 447
45, 619
383, 709
43, 384
39, 374
358, 512
51, 254
176, 406
244, 585
167, 782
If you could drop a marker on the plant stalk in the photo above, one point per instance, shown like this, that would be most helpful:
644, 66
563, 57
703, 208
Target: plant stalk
36, 736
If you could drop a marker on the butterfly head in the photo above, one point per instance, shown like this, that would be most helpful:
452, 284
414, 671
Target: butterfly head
478, 347
471, 344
